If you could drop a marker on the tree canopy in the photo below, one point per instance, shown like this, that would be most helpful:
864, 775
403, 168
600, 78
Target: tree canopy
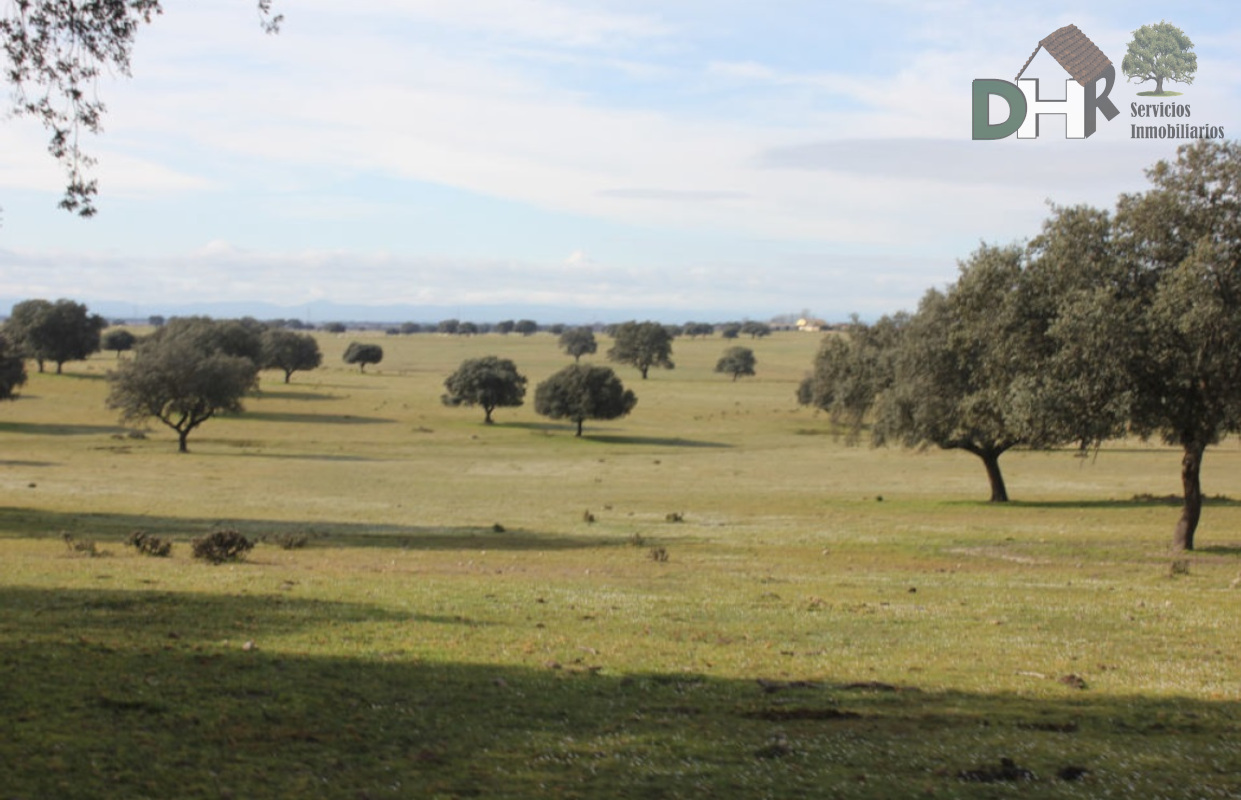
756, 330
180, 376
952, 375
736, 361
1158, 53
12, 370
118, 341
56, 52
642, 345
58, 332
582, 391
362, 354
1104, 324
1179, 330
578, 342
490, 382
289, 351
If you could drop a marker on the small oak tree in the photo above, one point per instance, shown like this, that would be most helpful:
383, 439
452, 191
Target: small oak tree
642, 345
119, 341
490, 382
578, 342
756, 330
736, 361
362, 354
1158, 53
580, 392
289, 351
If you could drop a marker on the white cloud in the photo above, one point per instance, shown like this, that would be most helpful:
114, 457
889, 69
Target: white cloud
631, 114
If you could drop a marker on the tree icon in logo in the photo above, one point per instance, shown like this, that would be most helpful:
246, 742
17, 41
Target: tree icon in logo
1158, 53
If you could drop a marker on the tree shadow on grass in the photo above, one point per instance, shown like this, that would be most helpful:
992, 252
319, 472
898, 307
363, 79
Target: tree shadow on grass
289, 394
608, 438
1220, 550
651, 441
302, 457
29, 463
543, 427
312, 419
54, 429
1141, 501
151, 694
116, 528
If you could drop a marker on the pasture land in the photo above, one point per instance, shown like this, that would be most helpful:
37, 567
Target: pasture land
829, 621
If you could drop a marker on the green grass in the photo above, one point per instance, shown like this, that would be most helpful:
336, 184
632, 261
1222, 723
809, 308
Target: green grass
1164, 93
803, 639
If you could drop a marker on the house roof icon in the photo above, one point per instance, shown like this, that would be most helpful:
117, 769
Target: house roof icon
1074, 51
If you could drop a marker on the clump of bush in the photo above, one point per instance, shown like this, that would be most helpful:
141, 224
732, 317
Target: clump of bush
221, 546
291, 540
637, 540
85, 547
149, 545
659, 554
675, 516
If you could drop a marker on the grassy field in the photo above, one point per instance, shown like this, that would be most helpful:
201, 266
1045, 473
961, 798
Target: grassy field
829, 621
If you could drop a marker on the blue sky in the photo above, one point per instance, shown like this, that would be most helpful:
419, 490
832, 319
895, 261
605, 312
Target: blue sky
721, 158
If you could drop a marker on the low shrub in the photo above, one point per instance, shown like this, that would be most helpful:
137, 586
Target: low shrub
149, 545
292, 540
221, 546
86, 547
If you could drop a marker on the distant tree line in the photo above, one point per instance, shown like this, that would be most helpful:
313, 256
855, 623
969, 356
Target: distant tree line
1105, 324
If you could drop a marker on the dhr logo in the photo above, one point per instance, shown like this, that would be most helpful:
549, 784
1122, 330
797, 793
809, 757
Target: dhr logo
1086, 65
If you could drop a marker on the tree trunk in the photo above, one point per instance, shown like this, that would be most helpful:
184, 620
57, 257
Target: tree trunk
644, 369
579, 428
59, 364
183, 435
40, 364
287, 375
1191, 468
486, 415
1159, 89
991, 460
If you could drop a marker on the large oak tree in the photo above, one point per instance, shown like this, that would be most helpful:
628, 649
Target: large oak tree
1179, 244
580, 392
181, 376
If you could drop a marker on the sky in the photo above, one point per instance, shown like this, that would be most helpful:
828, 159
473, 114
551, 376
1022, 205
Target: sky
593, 159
